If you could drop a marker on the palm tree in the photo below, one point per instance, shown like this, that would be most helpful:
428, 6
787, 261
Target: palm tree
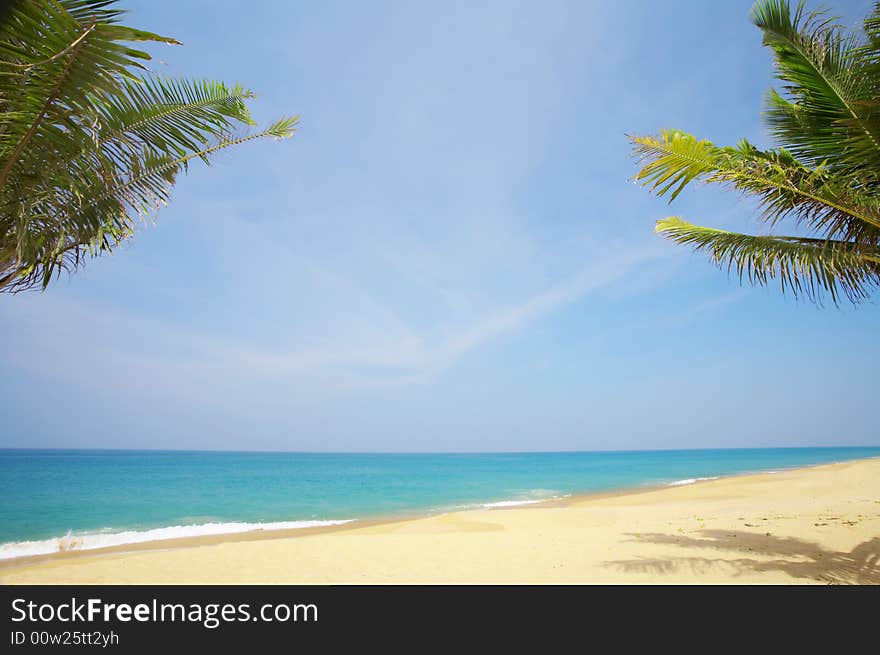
824, 178
90, 141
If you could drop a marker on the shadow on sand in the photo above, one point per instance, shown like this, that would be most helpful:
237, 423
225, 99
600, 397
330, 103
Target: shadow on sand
796, 557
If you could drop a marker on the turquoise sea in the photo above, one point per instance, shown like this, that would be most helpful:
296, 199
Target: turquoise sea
80, 499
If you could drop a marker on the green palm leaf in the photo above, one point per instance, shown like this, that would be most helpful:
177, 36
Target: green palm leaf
825, 178
801, 265
833, 204
89, 145
826, 117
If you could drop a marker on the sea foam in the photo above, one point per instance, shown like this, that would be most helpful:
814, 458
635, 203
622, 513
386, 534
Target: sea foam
512, 503
93, 540
678, 483
530, 497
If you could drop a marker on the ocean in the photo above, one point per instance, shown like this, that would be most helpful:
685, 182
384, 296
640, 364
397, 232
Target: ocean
53, 500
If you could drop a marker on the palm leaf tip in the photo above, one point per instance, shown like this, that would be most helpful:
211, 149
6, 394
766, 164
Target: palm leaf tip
283, 128
672, 160
118, 32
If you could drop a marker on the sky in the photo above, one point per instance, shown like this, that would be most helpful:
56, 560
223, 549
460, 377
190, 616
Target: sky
449, 255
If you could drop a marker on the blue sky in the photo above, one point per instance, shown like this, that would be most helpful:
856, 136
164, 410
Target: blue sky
449, 255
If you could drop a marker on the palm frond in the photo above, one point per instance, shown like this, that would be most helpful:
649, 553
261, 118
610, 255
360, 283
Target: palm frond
89, 145
830, 114
833, 204
802, 266
825, 177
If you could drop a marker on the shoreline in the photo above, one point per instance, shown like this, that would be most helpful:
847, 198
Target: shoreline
188, 541
563, 511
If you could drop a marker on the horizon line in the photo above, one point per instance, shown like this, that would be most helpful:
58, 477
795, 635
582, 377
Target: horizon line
426, 452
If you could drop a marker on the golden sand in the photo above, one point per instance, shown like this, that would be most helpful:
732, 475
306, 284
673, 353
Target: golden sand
813, 525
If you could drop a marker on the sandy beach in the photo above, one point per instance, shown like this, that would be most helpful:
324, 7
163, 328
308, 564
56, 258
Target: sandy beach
815, 525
